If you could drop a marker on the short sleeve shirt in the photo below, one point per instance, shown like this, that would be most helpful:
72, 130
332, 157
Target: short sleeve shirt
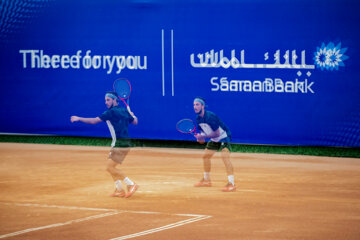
118, 120
210, 123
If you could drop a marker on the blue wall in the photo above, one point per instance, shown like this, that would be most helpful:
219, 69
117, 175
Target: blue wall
276, 72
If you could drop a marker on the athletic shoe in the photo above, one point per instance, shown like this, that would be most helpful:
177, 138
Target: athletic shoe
131, 190
203, 183
118, 193
229, 188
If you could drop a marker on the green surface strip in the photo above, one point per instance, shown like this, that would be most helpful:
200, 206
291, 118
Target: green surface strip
243, 148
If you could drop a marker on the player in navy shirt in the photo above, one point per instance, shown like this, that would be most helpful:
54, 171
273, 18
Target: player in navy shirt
118, 120
211, 127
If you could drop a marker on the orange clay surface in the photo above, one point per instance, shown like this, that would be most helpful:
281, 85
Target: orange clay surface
62, 192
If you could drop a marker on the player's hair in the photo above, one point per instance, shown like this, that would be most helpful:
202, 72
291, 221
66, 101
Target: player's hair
112, 93
203, 99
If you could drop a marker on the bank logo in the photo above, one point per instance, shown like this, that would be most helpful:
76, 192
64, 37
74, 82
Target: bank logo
330, 57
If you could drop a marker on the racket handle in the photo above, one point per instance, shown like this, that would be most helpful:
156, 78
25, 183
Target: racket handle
127, 106
131, 113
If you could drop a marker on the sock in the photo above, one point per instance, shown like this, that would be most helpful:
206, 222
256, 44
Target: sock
128, 181
118, 185
231, 179
206, 175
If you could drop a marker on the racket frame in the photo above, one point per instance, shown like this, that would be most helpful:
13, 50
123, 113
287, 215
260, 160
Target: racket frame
193, 131
121, 98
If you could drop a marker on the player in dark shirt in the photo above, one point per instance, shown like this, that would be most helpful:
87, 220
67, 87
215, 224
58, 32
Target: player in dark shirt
211, 127
118, 120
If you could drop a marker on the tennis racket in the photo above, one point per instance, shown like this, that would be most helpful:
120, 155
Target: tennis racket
122, 87
186, 126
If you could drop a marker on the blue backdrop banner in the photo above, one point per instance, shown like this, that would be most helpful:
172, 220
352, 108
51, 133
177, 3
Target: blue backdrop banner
276, 72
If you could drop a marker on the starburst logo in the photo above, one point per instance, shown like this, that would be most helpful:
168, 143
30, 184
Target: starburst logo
330, 57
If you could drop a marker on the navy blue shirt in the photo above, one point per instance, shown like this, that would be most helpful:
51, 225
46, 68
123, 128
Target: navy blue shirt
210, 123
118, 120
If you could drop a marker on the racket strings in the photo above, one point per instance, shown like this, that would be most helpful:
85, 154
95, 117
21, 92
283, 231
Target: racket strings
186, 126
123, 88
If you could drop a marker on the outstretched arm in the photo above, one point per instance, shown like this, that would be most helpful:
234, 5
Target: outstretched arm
85, 120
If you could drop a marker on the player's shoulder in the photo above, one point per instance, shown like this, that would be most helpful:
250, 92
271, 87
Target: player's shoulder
210, 114
113, 111
116, 109
119, 108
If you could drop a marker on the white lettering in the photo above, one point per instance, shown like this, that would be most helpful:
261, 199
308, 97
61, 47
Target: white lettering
267, 86
217, 87
39, 59
64, 61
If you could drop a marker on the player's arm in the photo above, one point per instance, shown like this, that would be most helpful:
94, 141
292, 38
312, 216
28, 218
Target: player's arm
203, 136
135, 121
214, 134
85, 120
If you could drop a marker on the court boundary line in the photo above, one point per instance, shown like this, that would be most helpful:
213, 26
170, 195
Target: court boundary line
109, 212
169, 226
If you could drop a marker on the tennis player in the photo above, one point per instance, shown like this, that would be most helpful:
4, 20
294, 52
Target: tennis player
118, 120
211, 127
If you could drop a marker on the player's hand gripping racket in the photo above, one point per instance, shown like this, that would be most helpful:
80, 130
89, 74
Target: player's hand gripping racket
122, 87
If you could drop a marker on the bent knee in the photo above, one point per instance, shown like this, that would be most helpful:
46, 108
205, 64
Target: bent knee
110, 168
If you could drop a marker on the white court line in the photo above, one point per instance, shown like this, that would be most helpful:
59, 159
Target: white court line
59, 224
62, 207
169, 226
110, 212
248, 190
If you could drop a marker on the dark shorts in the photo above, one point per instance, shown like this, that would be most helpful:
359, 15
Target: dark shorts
122, 143
218, 146
118, 154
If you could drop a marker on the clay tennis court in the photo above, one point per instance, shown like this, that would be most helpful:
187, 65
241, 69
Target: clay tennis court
61, 192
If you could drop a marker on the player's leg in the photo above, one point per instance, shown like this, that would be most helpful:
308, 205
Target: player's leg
111, 167
206, 181
116, 157
117, 175
208, 154
225, 155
